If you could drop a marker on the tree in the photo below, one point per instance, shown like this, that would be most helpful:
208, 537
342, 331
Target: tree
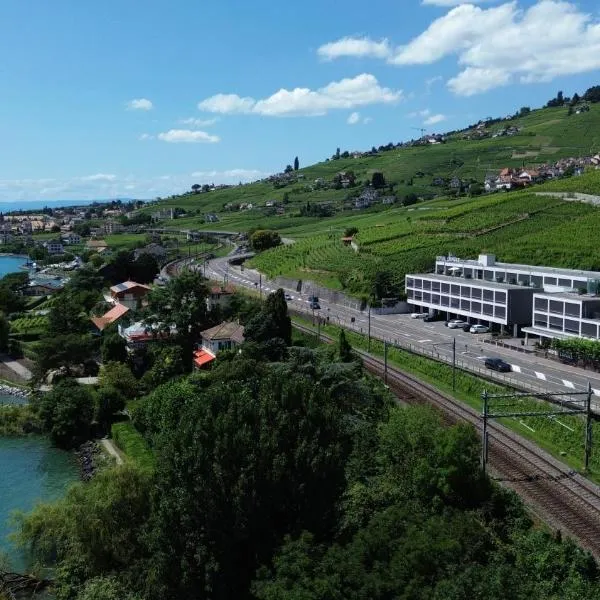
109, 400
575, 100
263, 239
67, 412
272, 321
384, 285
67, 316
350, 231
286, 197
144, 269
196, 188
114, 348
296, 164
525, 110
592, 94
409, 199
62, 352
378, 180
117, 375
288, 169
344, 348
9, 301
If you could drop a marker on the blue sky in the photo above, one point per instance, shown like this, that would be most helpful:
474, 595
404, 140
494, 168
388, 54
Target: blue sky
124, 98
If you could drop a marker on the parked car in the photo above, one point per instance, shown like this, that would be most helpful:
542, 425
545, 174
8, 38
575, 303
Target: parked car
429, 318
479, 329
418, 315
455, 323
315, 306
466, 327
497, 364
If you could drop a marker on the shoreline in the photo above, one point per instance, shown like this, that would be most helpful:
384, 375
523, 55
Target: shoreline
15, 392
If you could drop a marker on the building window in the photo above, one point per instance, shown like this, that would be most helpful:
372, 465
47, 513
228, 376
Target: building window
488, 309
465, 305
476, 307
468, 272
410, 282
500, 312
549, 280
445, 300
578, 284
426, 296
426, 284
589, 330
435, 286
556, 307
556, 323
409, 294
511, 278
524, 278
455, 290
537, 280
418, 283
445, 287
572, 326
541, 321
465, 291
454, 302
489, 275
476, 293
488, 295
435, 298
418, 296
572, 309
541, 304
565, 282
500, 297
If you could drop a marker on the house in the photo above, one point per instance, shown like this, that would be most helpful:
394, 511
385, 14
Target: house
71, 239
110, 317
54, 247
26, 227
111, 226
129, 293
194, 236
439, 181
270, 203
219, 296
43, 286
456, 183
97, 245
5, 237
225, 336
155, 250
388, 200
211, 218
139, 334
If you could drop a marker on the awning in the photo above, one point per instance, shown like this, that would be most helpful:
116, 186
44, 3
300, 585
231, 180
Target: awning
202, 357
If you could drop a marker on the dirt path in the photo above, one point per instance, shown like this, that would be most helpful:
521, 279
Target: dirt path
112, 450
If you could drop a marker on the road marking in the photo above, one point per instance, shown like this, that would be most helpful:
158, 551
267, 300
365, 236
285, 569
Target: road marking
481, 357
540, 375
596, 392
423, 341
515, 368
568, 384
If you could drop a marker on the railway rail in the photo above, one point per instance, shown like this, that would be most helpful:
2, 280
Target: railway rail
564, 499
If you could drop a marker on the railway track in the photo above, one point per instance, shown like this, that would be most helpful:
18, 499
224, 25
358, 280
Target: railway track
565, 500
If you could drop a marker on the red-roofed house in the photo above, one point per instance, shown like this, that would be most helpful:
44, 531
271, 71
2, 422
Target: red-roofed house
129, 293
112, 316
219, 296
222, 337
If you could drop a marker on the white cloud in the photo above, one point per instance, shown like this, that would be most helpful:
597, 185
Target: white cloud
140, 104
420, 113
227, 104
433, 119
176, 136
361, 90
99, 177
145, 136
193, 122
505, 44
354, 118
355, 47
451, 2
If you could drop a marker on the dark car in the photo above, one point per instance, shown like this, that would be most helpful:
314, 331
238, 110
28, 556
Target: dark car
429, 318
315, 306
466, 327
497, 364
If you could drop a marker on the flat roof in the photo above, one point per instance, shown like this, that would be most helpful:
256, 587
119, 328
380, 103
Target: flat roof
517, 266
472, 282
571, 296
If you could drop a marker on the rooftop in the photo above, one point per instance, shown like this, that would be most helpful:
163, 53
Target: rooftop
109, 317
128, 285
571, 296
225, 331
475, 282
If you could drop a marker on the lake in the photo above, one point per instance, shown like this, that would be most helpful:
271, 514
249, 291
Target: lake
30, 470
11, 264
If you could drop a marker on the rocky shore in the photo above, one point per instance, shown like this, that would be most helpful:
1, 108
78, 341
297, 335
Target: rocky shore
17, 393
88, 456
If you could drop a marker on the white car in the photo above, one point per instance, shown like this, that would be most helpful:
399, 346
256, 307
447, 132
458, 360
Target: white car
418, 315
479, 329
455, 324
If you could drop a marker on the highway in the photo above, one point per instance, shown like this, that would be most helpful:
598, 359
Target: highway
529, 371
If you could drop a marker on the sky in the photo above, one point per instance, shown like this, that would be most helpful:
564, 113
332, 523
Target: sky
124, 98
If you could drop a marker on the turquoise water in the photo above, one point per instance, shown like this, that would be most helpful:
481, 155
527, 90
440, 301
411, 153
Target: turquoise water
11, 264
30, 470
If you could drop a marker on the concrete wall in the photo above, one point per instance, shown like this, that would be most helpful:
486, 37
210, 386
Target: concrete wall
314, 289
398, 308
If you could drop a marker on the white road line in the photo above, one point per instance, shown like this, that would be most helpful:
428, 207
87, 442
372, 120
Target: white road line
568, 384
481, 357
515, 368
423, 341
596, 392
540, 375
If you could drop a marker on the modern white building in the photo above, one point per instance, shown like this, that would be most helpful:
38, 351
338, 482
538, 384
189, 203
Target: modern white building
537, 300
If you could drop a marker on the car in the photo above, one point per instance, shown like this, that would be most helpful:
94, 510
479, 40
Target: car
479, 329
429, 318
315, 306
497, 364
418, 315
466, 327
455, 323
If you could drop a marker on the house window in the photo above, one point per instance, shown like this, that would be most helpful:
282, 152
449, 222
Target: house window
572, 309
541, 304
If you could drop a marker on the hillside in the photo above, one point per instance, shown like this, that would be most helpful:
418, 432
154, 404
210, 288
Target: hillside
519, 226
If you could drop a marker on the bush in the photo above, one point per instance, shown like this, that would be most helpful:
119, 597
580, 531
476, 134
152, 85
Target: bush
131, 442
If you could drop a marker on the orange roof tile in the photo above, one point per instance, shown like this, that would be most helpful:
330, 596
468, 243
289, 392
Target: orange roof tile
202, 357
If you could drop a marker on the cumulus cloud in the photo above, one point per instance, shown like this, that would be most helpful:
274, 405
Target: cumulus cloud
420, 113
354, 118
355, 47
99, 177
193, 122
499, 45
140, 104
145, 136
361, 90
178, 136
433, 119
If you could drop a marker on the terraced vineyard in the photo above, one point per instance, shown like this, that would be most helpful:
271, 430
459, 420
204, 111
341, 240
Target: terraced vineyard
518, 227
29, 324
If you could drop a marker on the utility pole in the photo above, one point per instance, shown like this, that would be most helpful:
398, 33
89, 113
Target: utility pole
369, 334
454, 365
588, 427
385, 360
260, 285
484, 439
318, 328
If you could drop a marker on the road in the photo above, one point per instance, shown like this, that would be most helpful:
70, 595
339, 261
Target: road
531, 372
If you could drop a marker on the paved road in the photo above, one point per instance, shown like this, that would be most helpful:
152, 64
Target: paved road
433, 338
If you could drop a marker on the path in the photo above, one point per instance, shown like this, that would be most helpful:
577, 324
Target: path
112, 450
15, 366
573, 197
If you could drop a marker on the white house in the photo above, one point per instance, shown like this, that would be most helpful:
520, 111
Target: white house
71, 239
54, 247
225, 336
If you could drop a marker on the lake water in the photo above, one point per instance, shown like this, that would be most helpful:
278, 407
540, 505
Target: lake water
11, 264
31, 470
